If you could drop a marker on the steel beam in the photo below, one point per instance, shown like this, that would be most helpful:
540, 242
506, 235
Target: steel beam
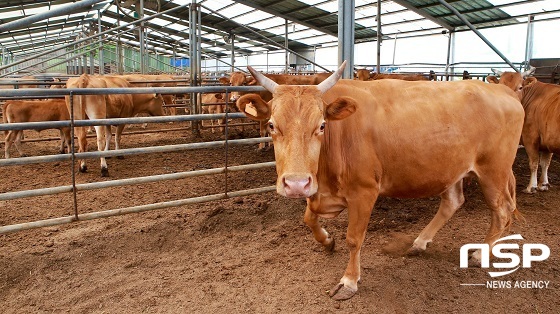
64, 10
464, 20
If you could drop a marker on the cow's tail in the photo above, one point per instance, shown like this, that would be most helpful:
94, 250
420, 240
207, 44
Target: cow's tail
81, 100
515, 214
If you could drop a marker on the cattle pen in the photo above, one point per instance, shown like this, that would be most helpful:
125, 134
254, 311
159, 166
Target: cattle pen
73, 155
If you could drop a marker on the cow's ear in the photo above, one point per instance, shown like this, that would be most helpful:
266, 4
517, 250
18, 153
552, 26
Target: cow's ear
224, 80
492, 79
530, 80
254, 107
340, 109
252, 82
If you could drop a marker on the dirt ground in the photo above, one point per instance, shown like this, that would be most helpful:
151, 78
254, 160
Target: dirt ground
249, 254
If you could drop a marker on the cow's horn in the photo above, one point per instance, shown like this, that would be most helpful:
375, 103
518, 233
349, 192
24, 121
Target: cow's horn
331, 80
265, 82
528, 72
497, 72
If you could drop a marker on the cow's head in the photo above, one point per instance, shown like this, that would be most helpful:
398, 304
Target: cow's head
513, 80
297, 117
238, 79
154, 105
362, 75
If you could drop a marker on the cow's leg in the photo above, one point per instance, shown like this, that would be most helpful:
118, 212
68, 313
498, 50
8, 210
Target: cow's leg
103, 135
319, 233
359, 212
451, 200
62, 141
499, 193
8, 143
262, 132
18, 136
118, 135
82, 145
533, 154
544, 161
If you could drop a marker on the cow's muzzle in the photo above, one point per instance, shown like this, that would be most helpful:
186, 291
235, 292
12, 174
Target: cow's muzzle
297, 186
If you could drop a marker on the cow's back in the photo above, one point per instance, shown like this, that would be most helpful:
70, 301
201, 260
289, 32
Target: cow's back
36, 111
422, 135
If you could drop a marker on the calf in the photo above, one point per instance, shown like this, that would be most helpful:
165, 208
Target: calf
17, 111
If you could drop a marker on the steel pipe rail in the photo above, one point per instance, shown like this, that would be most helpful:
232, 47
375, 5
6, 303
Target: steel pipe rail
43, 92
129, 151
130, 181
116, 121
134, 209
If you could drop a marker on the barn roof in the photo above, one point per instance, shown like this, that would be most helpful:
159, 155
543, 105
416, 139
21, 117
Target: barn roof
257, 25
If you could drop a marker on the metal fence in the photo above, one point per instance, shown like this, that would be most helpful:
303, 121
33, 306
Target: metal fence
73, 156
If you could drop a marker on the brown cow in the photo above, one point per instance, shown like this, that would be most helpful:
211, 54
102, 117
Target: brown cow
362, 75
169, 99
541, 130
513, 80
108, 106
16, 111
340, 145
213, 109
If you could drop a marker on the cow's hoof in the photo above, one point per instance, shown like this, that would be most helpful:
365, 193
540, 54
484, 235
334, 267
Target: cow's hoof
544, 187
104, 172
120, 157
329, 247
531, 190
340, 292
83, 169
414, 251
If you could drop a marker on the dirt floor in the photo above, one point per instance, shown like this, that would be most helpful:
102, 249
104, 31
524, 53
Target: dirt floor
250, 254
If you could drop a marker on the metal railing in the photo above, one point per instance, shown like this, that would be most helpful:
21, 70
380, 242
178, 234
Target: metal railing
73, 156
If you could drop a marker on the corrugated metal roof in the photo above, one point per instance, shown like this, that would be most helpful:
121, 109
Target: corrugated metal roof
311, 22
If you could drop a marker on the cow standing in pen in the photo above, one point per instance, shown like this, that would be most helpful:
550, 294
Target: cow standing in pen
541, 129
108, 106
341, 145
18, 111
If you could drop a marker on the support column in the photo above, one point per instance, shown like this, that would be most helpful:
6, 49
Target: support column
101, 60
141, 40
346, 15
232, 50
193, 53
4, 58
286, 55
379, 37
450, 70
529, 41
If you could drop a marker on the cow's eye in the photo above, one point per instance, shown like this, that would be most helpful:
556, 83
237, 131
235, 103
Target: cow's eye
322, 127
271, 126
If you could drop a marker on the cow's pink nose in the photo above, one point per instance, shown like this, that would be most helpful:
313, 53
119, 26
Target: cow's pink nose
297, 187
